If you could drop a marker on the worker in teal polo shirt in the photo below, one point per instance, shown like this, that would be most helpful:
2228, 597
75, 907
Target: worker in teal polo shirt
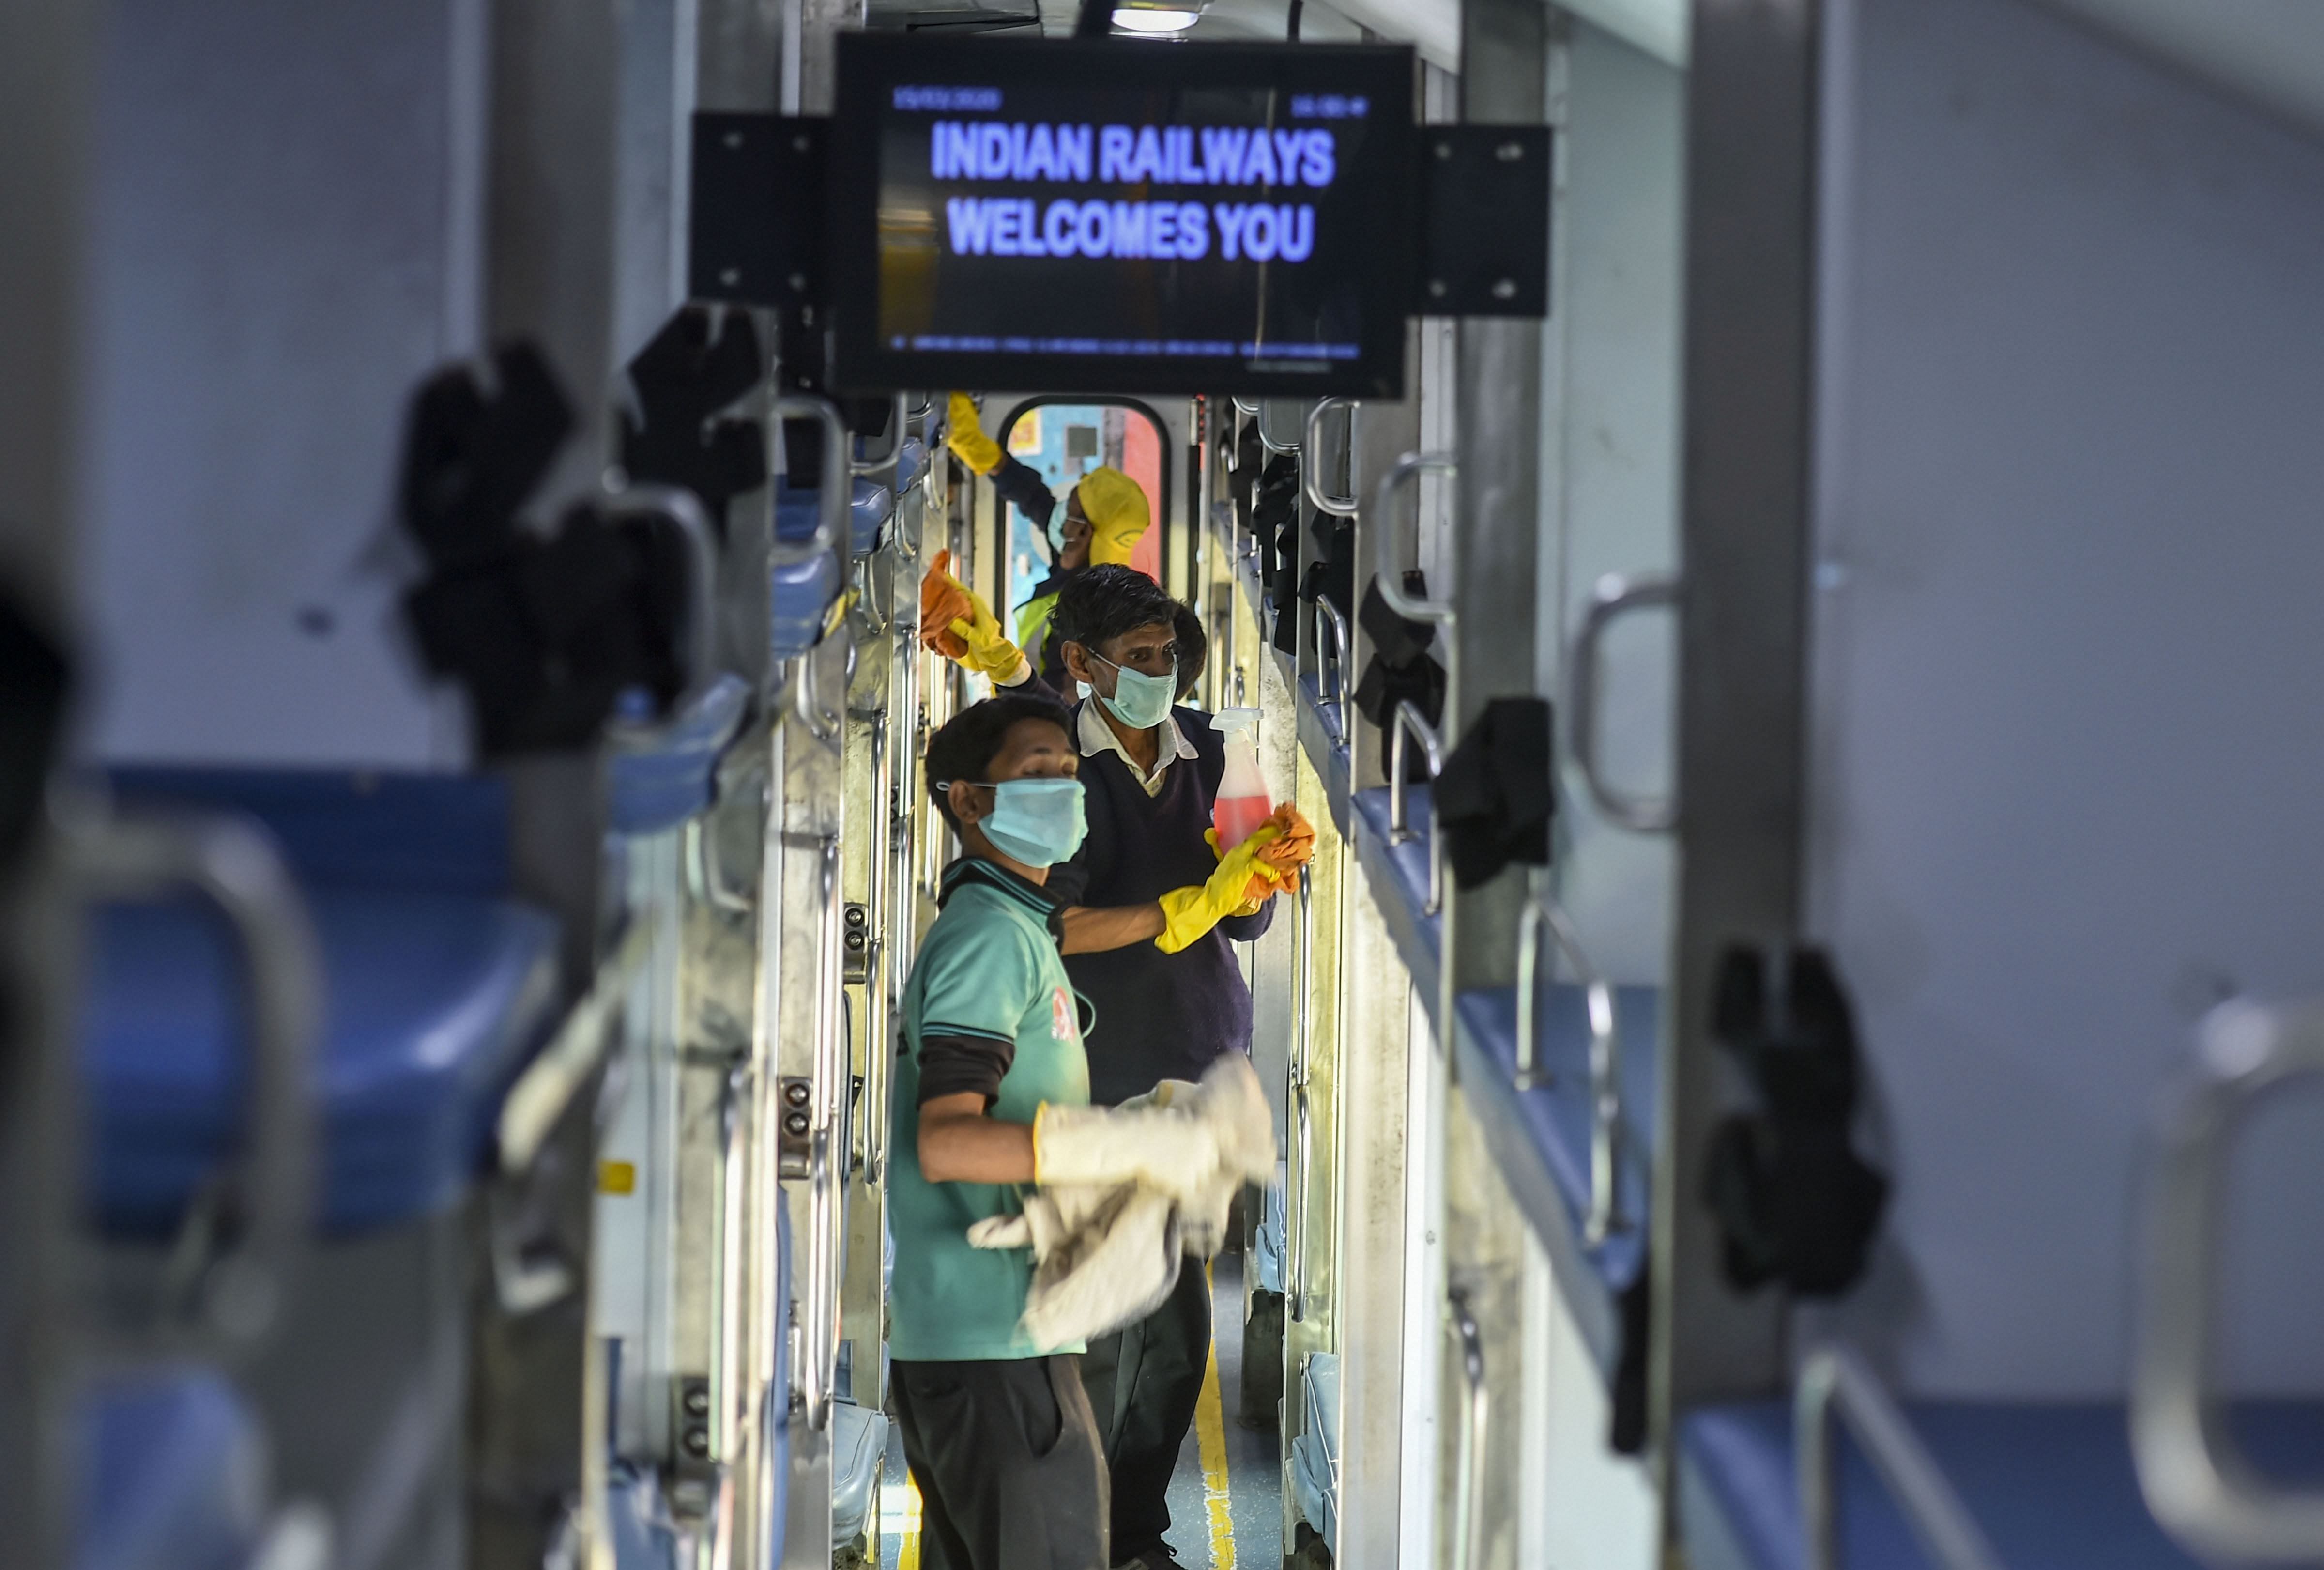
991, 1092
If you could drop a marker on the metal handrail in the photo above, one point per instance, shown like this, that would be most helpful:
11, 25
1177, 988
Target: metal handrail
1410, 722
707, 870
876, 621
1615, 598
1389, 575
122, 856
1469, 1474
807, 704
1302, 1066
682, 511
1834, 1379
819, 1356
2195, 1477
1341, 694
1310, 447
1268, 438
833, 493
1605, 1216
534, 1105
895, 423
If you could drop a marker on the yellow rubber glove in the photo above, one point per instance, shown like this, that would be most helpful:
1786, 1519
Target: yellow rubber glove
989, 651
964, 434
1190, 912
1265, 881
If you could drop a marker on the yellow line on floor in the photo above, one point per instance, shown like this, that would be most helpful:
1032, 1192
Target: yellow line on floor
1211, 1439
907, 1552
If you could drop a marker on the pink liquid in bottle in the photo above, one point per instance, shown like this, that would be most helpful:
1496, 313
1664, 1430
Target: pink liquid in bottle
1237, 817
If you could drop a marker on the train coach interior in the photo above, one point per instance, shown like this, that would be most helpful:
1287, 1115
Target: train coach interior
1775, 543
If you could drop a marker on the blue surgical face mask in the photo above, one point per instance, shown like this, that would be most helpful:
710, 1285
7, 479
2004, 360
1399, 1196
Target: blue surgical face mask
1041, 822
1140, 701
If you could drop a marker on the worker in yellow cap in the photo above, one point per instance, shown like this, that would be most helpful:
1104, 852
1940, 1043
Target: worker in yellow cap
1105, 514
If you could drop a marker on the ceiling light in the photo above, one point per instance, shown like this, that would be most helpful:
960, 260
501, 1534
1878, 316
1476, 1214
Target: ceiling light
1145, 21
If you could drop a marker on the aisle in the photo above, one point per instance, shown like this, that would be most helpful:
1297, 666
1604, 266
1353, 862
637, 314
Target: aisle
1226, 1499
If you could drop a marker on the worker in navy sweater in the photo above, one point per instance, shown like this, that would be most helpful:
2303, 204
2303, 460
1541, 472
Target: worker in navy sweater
1166, 993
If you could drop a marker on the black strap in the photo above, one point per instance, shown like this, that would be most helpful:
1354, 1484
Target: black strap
1796, 1203
683, 379
1496, 798
544, 629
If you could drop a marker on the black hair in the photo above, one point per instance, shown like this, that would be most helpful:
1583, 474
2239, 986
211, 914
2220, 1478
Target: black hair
1193, 649
1102, 602
969, 742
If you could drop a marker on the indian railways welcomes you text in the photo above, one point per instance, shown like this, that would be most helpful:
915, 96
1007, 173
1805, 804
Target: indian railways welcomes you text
1181, 156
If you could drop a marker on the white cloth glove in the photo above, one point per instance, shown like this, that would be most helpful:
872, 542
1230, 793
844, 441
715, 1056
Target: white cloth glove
1183, 1140
1106, 1253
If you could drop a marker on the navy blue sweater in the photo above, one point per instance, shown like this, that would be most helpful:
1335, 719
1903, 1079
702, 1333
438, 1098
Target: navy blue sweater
1158, 1016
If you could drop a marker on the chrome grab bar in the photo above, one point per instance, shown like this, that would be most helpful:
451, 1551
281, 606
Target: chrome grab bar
1311, 451
706, 869
1245, 406
129, 857
1341, 693
1605, 1215
1469, 1474
1267, 438
1303, 1048
1390, 575
2194, 1476
1835, 1380
1408, 722
835, 492
897, 419
529, 1111
876, 621
1615, 598
820, 1359
820, 722
682, 511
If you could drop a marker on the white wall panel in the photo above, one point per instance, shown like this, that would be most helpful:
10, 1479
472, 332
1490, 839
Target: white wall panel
2067, 664
1613, 500
285, 244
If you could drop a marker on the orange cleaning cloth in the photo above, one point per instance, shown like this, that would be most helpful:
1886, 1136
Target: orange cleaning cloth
943, 602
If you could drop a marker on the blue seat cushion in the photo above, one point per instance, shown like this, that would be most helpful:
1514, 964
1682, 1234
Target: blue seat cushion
2053, 1484
1556, 1113
443, 832
911, 463
869, 504
657, 784
433, 1000
173, 1474
799, 597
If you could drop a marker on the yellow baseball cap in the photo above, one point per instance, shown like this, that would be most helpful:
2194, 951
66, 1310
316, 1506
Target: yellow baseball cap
1118, 515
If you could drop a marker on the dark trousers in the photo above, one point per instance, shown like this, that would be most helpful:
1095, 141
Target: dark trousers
1009, 1464
1143, 1382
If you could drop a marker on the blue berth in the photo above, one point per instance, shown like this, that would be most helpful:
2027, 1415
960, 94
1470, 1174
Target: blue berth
1399, 877
173, 1476
1327, 749
2051, 1485
438, 986
663, 780
1542, 1136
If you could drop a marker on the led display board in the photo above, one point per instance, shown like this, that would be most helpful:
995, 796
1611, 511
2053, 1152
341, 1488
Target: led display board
1116, 216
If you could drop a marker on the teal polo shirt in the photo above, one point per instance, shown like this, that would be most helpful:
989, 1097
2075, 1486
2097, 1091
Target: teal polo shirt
988, 979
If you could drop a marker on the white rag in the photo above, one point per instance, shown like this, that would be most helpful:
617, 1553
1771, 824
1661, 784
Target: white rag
1106, 1255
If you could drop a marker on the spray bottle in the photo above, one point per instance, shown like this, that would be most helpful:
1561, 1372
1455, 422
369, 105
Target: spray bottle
1242, 804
